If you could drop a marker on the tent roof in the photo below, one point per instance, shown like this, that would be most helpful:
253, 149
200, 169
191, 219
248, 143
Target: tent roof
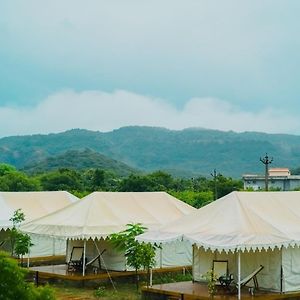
238, 221
33, 204
102, 213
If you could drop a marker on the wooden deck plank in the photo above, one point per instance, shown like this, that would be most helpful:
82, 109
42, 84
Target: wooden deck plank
60, 272
198, 291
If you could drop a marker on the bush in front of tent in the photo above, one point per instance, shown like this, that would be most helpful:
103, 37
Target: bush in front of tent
13, 284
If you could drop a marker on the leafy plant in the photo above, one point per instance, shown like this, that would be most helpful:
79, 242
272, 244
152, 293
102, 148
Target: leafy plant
13, 285
100, 292
211, 281
138, 255
20, 242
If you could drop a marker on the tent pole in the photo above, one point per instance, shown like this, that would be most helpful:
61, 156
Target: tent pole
28, 256
53, 246
193, 261
161, 254
239, 274
84, 254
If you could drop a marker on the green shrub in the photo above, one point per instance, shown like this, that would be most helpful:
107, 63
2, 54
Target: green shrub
100, 292
13, 285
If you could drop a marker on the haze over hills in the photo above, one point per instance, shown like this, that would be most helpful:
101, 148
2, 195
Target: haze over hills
187, 152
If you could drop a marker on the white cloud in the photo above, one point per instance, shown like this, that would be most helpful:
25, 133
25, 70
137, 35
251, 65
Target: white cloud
97, 110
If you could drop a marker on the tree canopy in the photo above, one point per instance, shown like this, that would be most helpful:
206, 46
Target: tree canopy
195, 191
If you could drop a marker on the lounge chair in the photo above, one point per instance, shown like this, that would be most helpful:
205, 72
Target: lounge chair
220, 271
76, 259
251, 276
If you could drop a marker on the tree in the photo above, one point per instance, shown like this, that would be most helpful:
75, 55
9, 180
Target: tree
162, 180
62, 180
20, 242
13, 285
6, 168
138, 255
17, 218
226, 185
18, 182
195, 199
98, 179
136, 183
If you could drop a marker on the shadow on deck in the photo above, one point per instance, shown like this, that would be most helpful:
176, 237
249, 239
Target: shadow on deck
198, 291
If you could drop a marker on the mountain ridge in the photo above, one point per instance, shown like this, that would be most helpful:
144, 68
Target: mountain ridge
191, 150
79, 160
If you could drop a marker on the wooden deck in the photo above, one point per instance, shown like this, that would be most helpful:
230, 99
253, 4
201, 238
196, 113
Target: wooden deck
198, 291
45, 260
61, 272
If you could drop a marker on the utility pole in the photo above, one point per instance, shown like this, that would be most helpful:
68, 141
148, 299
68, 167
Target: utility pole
266, 161
214, 175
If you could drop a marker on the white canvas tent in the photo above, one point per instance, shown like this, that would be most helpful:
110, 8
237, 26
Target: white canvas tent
91, 220
248, 229
33, 205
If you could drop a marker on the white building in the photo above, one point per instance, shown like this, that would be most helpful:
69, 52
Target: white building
279, 179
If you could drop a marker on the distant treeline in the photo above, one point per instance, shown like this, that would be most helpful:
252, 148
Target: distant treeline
195, 191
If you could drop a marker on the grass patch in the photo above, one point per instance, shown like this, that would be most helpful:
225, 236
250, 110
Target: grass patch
105, 291
171, 277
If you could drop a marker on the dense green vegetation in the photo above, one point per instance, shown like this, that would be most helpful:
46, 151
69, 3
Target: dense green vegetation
190, 152
13, 284
195, 191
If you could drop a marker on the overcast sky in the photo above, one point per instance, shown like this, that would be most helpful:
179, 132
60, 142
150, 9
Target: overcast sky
101, 65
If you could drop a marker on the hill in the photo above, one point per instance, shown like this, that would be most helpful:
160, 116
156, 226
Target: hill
190, 151
80, 160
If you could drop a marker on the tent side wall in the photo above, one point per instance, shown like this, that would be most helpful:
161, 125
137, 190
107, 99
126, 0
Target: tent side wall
203, 262
171, 255
269, 278
42, 246
291, 269
5, 240
174, 254
112, 259
46, 246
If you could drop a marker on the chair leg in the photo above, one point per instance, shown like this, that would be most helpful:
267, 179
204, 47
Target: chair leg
255, 282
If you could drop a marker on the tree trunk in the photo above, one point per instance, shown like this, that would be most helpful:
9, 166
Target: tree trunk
137, 279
